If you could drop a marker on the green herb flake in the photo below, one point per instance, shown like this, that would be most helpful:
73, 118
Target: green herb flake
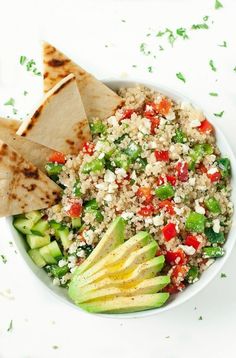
148, 34
220, 114
205, 18
181, 77
55, 347
123, 20
14, 110
25, 93
23, 59
211, 63
4, 260
150, 69
143, 49
161, 48
200, 318
234, 69
224, 44
10, 102
200, 27
213, 94
134, 66
223, 275
10, 327
171, 37
160, 33
182, 32
218, 5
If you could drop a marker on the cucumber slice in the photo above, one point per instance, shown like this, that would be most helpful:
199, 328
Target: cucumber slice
51, 252
37, 257
76, 223
22, 224
33, 216
64, 236
40, 228
36, 241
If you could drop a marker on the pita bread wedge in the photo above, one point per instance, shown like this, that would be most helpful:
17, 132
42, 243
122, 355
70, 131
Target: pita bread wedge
34, 152
23, 187
60, 122
99, 100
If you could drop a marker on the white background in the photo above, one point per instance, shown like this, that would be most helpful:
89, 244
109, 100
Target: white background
93, 34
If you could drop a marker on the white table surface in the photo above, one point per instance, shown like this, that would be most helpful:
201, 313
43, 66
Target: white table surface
93, 34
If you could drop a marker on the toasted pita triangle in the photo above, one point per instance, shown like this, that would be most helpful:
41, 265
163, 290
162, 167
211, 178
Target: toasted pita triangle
60, 122
23, 187
34, 152
99, 100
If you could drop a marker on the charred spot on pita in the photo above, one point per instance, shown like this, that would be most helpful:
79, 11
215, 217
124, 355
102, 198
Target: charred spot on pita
31, 173
57, 63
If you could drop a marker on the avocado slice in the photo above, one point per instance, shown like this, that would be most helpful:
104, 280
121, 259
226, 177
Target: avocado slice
116, 257
114, 237
126, 304
151, 285
143, 271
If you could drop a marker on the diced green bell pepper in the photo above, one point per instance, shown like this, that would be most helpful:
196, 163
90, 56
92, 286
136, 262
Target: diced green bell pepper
98, 127
195, 222
213, 252
96, 165
53, 169
142, 163
57, 271
198, 152
179, 137
133, 151
225, 167
214, 237
121, 160
91, 205
77, 189
193, 274
165, 192
213, 205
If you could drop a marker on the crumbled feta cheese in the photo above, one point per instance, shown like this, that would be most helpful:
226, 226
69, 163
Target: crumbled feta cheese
148, 221
216, 226
62, 263
177, 199
80, 253
198, 208
133, 175
89, 236
109, 176
158, 220
72, 248
101, 186
195, 123
179, 211
126, 215
99, 146
112, 188
108, 198
189, 250
101, 156
170, 116
113, 121
212, 170
192, 181
162, 123
185, 148
56, 281
145, 126
152, 145
121, 172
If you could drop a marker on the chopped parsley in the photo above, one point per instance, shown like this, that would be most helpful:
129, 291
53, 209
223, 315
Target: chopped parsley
14, 110
134, 66
10, 102
23, 59
213, 67
223, 275
218, 5
205, 18
200, 318
10, 327
171, 37
161, 48
220, 114
150, 69
235, 69
123, 20
160, 33
143, 49
55, 347
213, 94
224, 44
182, 32
181, 77
30, 65
4, 260
203, 26
25, 93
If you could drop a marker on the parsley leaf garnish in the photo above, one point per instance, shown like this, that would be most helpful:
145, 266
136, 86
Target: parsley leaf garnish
30, 65
4, 260
213, 94
200, 27
220, 114
23, 60
218, 4
181, 77
161, 48
211, 63
134, 66
10, 102
160, 33
150, 69
182, 32
205, 18
123, 20
25, 93
223, 275
200, 318
10, 327
143, 49
235, 69
171, 37
223, 45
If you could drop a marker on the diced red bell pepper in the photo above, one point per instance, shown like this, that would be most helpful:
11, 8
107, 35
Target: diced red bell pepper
179, 272
88, 148
169, 231
164, 107
167, 204
171, 179
147, 210
205, 127
127, 113
145, 192
155, 121
162, 156
150, 110
75, 210
201, 168
160, 180
214, 177
57, 157
191, 240
182, 171
174, 288
177, 257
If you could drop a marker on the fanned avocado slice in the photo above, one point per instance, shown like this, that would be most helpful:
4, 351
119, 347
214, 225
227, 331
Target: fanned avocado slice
126, 304
114, 237
151, 285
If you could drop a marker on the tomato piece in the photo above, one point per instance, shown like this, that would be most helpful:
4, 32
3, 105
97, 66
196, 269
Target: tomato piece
191, 240
150, 110
214, 177
127, 113
169, 231
160, 180
162, 156
57, 157
182, 171
171, 179
174, 288
167, 204
201, 168
176, 257
205, 127
164, 107
155, 121
147, 210
75, 210
88, 148
179, 273
145, 192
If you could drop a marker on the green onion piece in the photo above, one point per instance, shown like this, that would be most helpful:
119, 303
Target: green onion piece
165, 192
198, 153
98, 127
193, 274
213, 237
142, 163
195, 222
133, 151
213, 252
53, 168
179, 137
225, 167
122, 160
96, 165
213, 205
77, 189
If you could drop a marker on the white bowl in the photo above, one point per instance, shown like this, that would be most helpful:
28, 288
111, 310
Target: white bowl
191, 290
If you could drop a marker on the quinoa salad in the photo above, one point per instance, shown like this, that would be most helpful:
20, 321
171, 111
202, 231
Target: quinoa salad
154, 163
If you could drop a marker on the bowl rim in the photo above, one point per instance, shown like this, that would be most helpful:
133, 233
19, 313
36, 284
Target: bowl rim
211, 272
